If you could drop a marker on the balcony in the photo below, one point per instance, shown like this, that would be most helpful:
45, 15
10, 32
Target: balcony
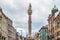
51, 36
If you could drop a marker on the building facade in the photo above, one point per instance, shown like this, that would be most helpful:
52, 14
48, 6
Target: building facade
44, 33
18, 37
51, 23
57, 26
37, 36
3, 26
7, 31
11, 30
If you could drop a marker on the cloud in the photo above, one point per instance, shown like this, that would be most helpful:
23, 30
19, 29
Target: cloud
16, 10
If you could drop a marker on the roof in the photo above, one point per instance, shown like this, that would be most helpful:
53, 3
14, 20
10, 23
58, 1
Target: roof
57, 17
54, 10
4, 14
46, 26
57, 13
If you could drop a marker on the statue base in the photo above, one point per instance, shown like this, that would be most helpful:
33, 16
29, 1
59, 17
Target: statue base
30, 39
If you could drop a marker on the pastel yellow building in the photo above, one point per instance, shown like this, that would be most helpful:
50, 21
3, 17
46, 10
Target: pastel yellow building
57, 27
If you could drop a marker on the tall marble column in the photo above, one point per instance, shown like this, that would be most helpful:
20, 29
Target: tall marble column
29, 19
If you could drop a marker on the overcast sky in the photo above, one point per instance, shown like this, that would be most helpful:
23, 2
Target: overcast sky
16, 10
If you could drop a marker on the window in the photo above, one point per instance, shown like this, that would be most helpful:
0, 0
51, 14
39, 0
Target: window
9, 33
53, 30
58, 39
55, 25
0, 36
58, 33
4, 38
45, 30
0, 17
58, 24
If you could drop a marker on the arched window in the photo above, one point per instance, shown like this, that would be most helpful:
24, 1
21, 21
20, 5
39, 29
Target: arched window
58, 24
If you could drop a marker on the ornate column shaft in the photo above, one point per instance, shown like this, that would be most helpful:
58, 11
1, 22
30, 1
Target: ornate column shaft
29, 19
29, 22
